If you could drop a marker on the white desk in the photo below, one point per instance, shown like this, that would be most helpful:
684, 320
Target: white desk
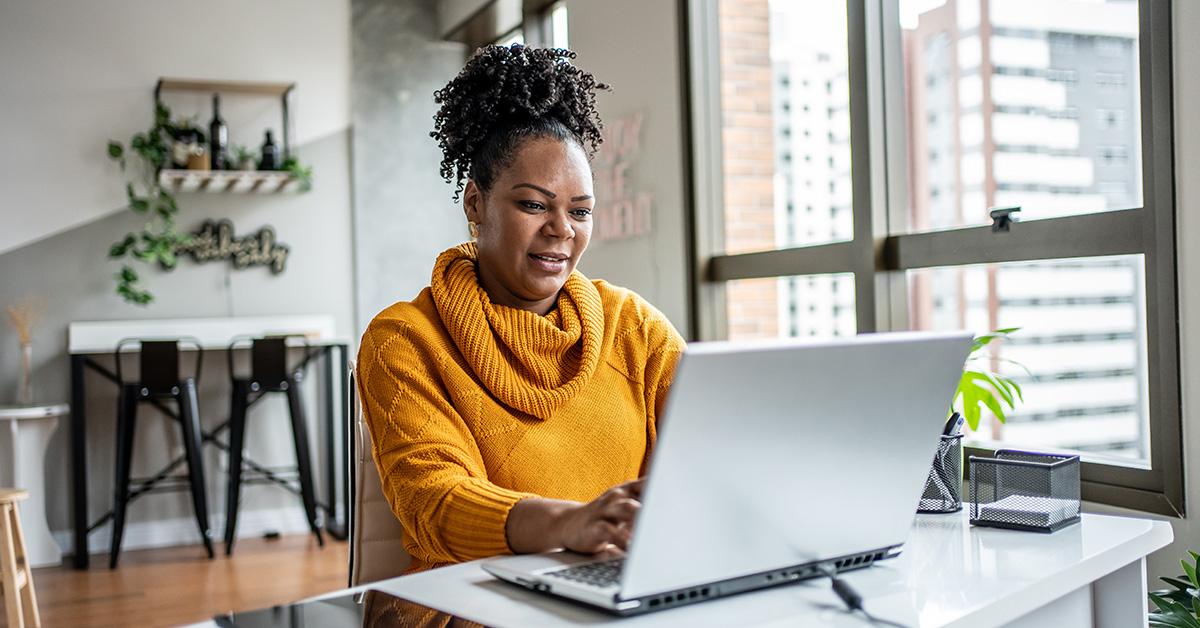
950, 574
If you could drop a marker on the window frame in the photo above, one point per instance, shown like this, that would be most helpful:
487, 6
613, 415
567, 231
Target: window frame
881, 251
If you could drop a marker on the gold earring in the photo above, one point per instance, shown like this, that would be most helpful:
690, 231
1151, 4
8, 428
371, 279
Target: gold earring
473, 229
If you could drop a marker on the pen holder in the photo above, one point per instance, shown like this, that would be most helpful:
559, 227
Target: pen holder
1023, 490
943, 487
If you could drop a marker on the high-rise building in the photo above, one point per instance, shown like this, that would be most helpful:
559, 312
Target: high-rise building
1035, 105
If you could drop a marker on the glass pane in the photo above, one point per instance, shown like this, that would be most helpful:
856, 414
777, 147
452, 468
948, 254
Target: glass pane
1033, 104
785, 123
1082, 338
558, 25
813, 306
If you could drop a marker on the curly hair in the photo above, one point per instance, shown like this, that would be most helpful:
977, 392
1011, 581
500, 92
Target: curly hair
504, 95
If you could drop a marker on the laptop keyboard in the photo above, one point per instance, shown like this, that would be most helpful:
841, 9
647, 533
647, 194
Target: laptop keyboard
605, 573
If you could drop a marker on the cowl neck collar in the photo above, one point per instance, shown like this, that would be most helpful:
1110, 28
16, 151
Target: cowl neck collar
531, 363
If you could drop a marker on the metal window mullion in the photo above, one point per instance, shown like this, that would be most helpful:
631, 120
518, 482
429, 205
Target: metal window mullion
868, 169
1158, 189
891, 285
838, 257
1089, 235
708, 226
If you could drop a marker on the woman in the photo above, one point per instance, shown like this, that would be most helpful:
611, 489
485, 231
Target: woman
513, 403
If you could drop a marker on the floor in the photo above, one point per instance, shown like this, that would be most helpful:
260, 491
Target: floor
179, 585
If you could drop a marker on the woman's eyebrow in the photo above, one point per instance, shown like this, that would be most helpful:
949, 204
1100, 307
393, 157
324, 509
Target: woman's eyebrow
574, 199
535, 187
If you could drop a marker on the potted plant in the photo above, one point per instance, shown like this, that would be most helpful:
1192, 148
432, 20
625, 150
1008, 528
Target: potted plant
1179, 607
243, 158
981, 388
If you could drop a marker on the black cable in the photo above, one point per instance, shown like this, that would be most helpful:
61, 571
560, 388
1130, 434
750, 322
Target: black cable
852, 599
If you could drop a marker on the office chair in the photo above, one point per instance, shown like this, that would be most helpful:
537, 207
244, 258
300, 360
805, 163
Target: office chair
376, 539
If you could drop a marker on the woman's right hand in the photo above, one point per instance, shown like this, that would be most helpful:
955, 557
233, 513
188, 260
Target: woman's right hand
539, 525
606, 520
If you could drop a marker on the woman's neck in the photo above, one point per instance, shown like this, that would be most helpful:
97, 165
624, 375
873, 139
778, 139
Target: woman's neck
500, 295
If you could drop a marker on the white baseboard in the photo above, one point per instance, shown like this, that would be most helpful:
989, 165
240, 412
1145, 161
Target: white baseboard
183, 530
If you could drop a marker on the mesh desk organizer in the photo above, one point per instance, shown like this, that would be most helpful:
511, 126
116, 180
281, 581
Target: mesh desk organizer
943, 487
1023, 490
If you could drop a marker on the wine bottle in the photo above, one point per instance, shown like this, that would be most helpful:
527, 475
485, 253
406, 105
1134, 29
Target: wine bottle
270, 154
218, 136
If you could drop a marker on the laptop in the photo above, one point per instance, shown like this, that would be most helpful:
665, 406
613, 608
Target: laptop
776, 461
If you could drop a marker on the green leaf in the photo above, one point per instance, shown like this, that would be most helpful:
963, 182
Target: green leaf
999, 388
1179, 585
116, 151
1191, 572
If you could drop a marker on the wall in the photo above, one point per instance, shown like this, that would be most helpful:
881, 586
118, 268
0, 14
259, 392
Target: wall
78, 73
644, 68
74, 74
404, 214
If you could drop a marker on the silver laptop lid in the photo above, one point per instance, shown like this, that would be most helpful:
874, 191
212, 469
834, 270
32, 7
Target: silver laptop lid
778, 453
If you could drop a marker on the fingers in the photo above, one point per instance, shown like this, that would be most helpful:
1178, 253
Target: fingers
605, 533
620, 510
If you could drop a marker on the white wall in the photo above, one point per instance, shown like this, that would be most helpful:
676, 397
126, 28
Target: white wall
643, 65
76, 73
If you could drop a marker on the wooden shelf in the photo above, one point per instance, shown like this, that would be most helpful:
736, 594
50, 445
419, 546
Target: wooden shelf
242, 87
236, 181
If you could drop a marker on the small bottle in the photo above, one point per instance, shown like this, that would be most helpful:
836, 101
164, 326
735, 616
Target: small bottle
218, 136
270, 154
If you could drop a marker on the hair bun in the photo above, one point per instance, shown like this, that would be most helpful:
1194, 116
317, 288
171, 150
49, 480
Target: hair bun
505, 86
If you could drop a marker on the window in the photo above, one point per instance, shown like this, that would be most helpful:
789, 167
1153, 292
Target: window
933, 134
558, 25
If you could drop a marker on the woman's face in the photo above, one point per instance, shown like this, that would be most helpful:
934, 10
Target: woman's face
534, 224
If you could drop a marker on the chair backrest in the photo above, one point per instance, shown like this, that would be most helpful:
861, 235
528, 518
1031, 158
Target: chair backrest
159, 365
376, 538
158, 362
268, 360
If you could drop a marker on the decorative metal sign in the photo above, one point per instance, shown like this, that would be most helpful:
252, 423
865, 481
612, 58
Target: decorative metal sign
622, 212
215, 240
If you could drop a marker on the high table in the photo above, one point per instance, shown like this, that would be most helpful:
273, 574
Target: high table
949, 575
93, 338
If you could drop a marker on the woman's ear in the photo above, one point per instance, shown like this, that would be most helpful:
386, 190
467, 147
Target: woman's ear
473, 202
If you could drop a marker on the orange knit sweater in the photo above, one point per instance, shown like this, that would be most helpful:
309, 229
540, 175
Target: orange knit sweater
473, 406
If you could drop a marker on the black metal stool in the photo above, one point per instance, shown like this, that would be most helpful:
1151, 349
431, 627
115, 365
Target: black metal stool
269, 373
159, 379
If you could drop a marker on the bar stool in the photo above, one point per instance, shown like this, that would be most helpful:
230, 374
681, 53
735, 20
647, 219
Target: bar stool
16, 581
159, 379
269, 373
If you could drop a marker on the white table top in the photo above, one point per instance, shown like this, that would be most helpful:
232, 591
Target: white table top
84, 337
36, 411
950, 574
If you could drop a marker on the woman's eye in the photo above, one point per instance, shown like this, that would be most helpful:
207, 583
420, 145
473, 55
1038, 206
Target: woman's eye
582, 212
532, 205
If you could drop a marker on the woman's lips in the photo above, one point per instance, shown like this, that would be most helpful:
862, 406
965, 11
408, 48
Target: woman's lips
549, 264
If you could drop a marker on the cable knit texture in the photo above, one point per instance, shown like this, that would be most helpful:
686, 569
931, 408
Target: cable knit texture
473, 406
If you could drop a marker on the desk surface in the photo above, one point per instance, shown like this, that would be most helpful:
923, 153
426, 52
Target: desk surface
950, 574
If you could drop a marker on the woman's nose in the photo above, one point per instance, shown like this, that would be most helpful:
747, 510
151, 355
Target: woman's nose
558, 225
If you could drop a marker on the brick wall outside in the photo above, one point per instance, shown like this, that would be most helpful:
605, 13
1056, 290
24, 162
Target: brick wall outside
749, 161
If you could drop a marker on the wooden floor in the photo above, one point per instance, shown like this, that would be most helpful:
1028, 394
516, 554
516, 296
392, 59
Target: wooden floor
179, 585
